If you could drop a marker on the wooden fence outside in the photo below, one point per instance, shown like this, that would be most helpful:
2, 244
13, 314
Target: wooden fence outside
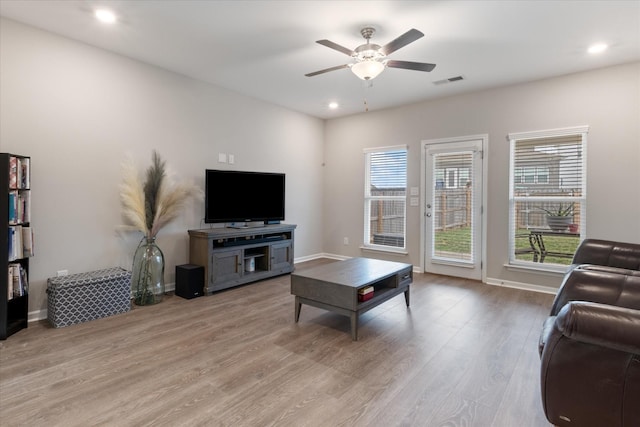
452, 208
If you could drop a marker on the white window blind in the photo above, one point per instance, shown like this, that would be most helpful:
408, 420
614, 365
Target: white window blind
452, 206
547, 197
385, 197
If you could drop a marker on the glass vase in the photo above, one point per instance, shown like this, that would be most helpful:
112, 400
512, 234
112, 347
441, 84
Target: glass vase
147, 276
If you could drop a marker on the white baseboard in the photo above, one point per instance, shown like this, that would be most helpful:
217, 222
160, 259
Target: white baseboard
35, 316
523, 286
319, 256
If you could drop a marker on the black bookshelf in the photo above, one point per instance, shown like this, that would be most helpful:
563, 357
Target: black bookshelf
14, 308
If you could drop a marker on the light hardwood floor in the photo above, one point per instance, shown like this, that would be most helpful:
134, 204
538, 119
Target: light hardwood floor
464, 354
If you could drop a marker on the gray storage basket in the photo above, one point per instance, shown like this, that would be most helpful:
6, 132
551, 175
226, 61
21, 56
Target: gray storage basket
82, 297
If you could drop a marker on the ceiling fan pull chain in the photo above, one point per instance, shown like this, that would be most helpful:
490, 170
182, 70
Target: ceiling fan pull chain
366, 85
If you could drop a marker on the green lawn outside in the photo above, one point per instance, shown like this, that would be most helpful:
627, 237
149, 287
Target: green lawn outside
551, 243
458, 240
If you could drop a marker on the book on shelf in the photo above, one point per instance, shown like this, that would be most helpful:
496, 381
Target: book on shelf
21, 242
13, 172
15, 242
24, 206
17, 281
13, 207
24, 175
28, 246
19, 206
365, 294
365, 290
19, 172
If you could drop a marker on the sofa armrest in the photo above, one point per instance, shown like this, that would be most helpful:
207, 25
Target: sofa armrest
590, 370
603, 325
607, 269
601, 285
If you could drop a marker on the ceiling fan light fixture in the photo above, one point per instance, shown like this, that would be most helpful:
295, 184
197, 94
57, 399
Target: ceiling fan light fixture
105, 16
367, 70
597, 48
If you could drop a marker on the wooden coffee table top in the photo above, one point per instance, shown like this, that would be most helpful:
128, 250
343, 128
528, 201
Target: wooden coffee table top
354, 272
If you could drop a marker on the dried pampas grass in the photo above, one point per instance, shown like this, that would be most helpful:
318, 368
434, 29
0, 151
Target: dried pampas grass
132, 196
152, 205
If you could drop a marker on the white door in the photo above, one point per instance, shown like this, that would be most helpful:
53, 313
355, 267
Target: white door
452, 206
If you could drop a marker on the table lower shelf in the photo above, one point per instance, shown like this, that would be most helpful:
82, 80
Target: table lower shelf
382, 295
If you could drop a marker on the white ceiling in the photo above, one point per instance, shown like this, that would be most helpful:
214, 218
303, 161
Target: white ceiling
264, 48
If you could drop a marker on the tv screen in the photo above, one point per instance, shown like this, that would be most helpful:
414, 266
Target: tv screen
236, 196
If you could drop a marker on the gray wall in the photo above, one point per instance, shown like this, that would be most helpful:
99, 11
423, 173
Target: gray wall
77, 110
607, 100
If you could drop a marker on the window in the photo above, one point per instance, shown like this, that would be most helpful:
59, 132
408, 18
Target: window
385, 197
547, 196
452, 177
531, 175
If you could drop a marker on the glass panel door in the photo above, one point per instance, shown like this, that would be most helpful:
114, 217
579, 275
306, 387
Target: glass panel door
453, 196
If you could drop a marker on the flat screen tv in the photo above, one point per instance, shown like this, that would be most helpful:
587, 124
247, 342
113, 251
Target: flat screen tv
236, 196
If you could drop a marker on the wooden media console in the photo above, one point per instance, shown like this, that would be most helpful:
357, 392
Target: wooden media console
235, 256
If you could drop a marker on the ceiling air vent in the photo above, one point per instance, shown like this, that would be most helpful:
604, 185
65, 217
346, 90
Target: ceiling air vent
449, 80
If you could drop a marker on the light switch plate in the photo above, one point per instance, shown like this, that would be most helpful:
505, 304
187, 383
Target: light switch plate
415, 191
415, 201
222, 158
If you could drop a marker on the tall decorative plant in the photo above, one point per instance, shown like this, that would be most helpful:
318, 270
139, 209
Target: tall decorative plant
148, 207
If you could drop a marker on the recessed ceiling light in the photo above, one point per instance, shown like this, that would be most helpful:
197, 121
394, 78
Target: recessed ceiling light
333, 105
597, 48
105, 16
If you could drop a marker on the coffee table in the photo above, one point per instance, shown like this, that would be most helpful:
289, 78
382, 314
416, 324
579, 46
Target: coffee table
335, 286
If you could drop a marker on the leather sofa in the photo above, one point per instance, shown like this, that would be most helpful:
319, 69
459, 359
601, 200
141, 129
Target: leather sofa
590, 344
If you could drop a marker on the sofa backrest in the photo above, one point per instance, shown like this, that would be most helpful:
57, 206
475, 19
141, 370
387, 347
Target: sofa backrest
608, 253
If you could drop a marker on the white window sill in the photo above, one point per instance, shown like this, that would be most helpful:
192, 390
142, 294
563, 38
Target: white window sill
384, 249
530, 267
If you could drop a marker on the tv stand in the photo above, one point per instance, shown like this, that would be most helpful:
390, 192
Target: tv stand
235, 256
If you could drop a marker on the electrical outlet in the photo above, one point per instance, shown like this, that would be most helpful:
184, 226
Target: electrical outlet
346, 241
62, 273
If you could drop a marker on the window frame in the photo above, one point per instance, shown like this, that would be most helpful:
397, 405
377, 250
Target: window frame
513, 138
368, 198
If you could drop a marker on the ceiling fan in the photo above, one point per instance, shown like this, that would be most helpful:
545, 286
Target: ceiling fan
371, 59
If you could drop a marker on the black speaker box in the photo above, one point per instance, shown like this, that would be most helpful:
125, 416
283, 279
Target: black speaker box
189, 281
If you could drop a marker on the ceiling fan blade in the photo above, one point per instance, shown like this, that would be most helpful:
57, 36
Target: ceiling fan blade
336, 46
408, 37
326, 70
408, 65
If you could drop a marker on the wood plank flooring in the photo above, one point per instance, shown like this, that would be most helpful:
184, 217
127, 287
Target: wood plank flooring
463, 354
